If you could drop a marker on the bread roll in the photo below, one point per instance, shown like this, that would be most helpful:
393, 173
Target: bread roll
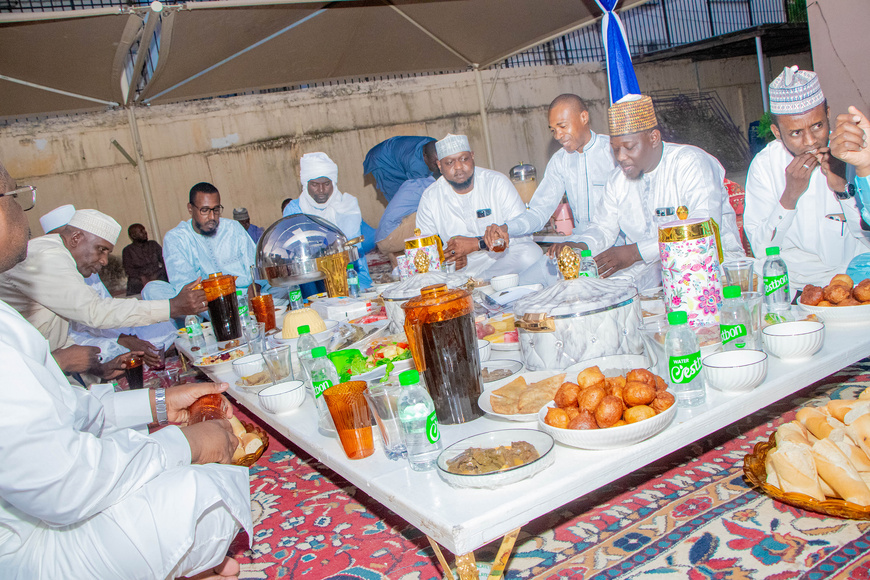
796, 470
772, 477
793, 432
238, 453
856, 410
836, 469
859, 432
817, 422
238, 428
251, 442
855, 455
865, 395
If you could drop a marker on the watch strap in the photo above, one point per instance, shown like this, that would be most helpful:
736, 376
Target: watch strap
481, 245
160, 406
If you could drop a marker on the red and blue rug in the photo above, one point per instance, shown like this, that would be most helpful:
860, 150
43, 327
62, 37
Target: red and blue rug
690, 515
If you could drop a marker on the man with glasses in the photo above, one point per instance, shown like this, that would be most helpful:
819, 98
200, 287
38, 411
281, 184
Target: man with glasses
205, 244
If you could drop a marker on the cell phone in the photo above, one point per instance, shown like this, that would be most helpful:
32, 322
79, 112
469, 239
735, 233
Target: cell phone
482, 213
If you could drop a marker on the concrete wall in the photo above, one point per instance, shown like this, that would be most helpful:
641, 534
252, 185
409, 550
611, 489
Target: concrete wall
250, 146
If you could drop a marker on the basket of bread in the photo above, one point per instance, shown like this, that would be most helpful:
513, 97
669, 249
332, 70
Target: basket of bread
599, 412
252, 442
840, 301
820, 461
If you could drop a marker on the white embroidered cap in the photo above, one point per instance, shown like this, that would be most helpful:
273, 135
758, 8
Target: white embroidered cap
451, 145
97, 223
57, 217
795, 91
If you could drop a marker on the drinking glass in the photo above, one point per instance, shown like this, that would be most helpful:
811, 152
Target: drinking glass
350, 413
133, 371
255, 335
264, 310
739, 273
207, 407
383, 399
278, 361
161, 356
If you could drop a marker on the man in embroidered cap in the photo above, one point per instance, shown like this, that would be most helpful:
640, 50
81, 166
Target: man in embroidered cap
49, 289
462, 203
321, 198
654, 179
796, 194
240, 214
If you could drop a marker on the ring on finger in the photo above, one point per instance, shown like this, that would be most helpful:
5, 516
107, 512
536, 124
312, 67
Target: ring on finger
807, 166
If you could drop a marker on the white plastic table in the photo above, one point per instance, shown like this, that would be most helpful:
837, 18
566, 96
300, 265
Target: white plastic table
463, 520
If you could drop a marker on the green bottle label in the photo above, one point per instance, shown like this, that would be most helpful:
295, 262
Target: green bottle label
194, 330
432, 433
684, 369
584, 274
774, 283
296, 295
731, 332
321, 386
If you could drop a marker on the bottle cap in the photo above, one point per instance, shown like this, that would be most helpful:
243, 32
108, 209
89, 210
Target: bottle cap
731, 291
772, 251
318, 352
350, 266
304, 329
409, 377
585, 253
677, 317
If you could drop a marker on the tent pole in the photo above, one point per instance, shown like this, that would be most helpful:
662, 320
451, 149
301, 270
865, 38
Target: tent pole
483, 118
759, 54
143, 176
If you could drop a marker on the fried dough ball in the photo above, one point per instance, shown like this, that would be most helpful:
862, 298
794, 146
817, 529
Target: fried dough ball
591, 397
639, 413
572, 411
836, 293
611, 383
661, 385
849, 302
584, 420
589, 377
662, 402
620, 423
566, 396
824, 303
843, 280
642, 375
617, 391
811, 295
557, 418
609, 411
637, 393
862, 291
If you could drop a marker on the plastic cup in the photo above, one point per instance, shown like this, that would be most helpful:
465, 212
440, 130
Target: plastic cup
383, 400
739, 273
350, 413
133, 369
755, 307
161, 356
255, 335
264, 310
207, 407
278, 361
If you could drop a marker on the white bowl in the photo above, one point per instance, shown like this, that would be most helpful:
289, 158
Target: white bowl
248, 365
611, 437
542, 442
322, 337
794, 340
735, 371
484, 347
504, 282
282, 397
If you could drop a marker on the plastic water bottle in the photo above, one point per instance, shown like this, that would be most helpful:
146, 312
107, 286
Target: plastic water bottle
352, 282
777, 297
294, 294
242, 299
419, 422
588, 267
194, 332
305, 344
323, 376
684, 362
735, 326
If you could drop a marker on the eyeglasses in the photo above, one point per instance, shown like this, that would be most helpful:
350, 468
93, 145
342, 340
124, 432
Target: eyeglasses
204, 211
25, 196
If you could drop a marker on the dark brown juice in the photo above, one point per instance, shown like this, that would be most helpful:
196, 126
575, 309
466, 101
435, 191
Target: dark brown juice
452, 372
133, 373
224, 313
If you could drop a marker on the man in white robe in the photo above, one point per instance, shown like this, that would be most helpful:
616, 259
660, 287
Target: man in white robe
462, 203
654, 180
796, 193
84, 495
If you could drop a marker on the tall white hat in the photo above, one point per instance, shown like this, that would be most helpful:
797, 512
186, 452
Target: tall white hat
57, 217
451, 145
795, 92
97, 223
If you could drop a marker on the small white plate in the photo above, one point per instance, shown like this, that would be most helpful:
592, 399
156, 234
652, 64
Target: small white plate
530, 377
504, 346
514, 366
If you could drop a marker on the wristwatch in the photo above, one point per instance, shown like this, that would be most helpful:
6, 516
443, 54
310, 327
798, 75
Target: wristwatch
850, 192
481, 245
160, 406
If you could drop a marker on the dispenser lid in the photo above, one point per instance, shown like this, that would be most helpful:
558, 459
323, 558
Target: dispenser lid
578, 296
523, 172
411, 287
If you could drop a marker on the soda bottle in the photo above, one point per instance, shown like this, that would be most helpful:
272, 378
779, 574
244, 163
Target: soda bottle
419, 422
777, 297
294, 293
194, 332
735, 326
352, 282
304, 345
323, 376
588, 267
684, 361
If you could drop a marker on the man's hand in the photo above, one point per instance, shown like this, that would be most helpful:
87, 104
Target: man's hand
493, 233
149, 351
188, 301
114, 368
459, 247
77, 358
556, 249
833, 169
849, 140
797, 179
211, 441
617, 258
180, 397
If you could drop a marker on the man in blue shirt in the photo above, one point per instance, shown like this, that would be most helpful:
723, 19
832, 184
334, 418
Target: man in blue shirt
394, 161
849, 142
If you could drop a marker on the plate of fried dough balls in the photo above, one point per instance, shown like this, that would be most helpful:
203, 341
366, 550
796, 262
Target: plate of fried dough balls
599, 412
840, 301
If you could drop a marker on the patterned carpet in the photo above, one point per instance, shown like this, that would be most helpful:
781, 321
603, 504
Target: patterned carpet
690, 515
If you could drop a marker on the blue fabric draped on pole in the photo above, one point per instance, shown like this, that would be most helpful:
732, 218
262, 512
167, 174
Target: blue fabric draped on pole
620, 72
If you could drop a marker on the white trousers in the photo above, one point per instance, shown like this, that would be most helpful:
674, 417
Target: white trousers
179, 524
